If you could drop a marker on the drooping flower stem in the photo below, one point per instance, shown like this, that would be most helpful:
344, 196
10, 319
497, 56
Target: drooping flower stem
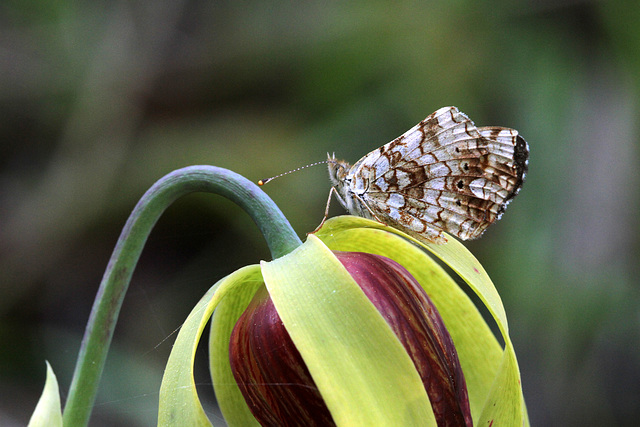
97, 338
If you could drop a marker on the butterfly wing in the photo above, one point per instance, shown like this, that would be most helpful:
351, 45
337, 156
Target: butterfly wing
444, 174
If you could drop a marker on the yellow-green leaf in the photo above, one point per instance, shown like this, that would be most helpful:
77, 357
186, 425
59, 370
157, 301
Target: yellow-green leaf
48, 412
230, 399
179, 402
505, 403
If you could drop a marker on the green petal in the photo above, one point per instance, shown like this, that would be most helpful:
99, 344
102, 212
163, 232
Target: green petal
232, 404
179, 403
505, 404
48, 411
358, 364
491, 373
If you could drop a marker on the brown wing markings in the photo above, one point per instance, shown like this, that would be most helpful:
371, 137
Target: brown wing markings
428, 224
422, 227
466, 206
431, 132
452, 218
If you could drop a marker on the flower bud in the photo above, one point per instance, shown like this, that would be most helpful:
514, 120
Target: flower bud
277, 385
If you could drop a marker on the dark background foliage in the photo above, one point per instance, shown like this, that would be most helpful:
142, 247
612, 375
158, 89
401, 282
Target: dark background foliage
99, 99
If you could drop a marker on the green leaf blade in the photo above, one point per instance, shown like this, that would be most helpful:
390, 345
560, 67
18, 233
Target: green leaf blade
230, 399
179, 402
48, 412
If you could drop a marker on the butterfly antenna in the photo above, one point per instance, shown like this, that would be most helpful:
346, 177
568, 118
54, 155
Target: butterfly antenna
264, 181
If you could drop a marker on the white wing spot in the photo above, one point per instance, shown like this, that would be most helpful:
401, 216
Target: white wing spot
477, 188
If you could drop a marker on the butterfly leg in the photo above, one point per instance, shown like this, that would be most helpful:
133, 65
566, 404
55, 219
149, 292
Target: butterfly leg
326, 209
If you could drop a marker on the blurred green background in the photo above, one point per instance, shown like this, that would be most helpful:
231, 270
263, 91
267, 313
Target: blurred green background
98, 99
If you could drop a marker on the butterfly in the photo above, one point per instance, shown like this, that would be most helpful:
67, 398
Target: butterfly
443, 175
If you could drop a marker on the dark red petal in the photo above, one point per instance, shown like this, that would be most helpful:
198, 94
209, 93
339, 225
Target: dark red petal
418, 325
270, 372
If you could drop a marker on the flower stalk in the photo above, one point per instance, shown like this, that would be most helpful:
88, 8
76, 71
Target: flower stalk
99, 331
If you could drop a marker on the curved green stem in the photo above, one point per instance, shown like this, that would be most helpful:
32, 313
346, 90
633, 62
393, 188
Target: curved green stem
95, 344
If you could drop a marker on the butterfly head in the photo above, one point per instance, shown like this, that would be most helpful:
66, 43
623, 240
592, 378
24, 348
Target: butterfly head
338, 170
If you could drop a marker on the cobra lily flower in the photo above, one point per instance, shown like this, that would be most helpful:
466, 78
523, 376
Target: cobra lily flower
357, 326
277, 385
310, 339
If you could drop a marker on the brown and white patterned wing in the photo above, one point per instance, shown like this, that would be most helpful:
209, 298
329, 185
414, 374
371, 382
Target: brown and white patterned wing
510, 152
443, 175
